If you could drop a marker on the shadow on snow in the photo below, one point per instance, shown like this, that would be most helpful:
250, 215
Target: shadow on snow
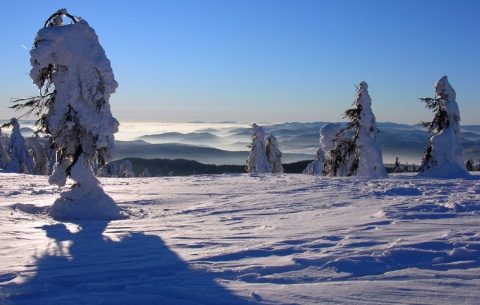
89, 267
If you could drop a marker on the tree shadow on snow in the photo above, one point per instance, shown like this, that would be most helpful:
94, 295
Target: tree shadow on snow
87, 267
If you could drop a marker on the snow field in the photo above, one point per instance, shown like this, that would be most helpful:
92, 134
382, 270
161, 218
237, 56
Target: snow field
241, 239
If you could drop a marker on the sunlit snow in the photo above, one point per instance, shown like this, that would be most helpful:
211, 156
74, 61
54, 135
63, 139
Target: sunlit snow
246, 239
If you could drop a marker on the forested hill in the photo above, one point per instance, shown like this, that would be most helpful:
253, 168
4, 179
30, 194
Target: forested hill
183, 167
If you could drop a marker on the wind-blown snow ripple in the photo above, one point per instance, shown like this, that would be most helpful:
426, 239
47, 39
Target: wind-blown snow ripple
243, 239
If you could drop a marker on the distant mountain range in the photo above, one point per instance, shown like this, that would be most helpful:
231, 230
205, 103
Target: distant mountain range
298, 141
226, 143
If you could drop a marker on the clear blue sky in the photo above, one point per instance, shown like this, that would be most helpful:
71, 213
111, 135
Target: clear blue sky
264, 60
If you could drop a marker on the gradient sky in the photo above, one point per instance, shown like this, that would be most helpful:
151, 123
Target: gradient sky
264, 60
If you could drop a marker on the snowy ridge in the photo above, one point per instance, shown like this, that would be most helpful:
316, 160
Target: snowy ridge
247, 239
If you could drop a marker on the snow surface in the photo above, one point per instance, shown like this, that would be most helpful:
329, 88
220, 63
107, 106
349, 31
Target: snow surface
446, 156
246, 239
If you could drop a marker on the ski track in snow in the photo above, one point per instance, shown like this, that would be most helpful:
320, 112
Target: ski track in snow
246, 239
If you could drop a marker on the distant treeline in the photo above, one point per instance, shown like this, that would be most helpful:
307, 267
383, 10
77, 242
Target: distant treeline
183, 167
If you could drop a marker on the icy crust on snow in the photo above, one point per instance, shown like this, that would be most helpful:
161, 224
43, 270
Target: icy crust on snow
83, 82
247, 239
446, 150
370, 157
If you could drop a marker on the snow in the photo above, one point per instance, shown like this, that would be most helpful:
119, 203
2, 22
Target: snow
274, 155
20, 159
78, 116
370, 163
257, 161
86, 199
446, 155
246, 239
328, 133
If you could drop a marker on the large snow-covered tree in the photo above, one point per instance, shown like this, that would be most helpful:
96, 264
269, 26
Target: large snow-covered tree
444, 154
21, 160
257, 161
360, 154
274, 155
75, 79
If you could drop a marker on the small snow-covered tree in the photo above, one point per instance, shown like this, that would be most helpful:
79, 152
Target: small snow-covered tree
20, 159
146, 173
40, 158
75, 79
444, 154
316, 167
126, 169
330, 135
257, 161
51, 154
274, 155
361, 153
4, 157
470, 165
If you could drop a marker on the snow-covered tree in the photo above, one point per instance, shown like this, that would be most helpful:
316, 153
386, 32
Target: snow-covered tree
51, 154
330, 135
109, 170
274, 155
4, 157
444, 154
146, 173
75, 79
40, 158
20, 159
470, 165
126, 169
316, 167
257, 161
360, 154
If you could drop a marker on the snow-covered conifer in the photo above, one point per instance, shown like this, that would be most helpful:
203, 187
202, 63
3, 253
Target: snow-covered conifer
257, 161
360, 154
40, 158
4, 157
470, 165
20, 159
75, 79
316, 167
51, 154
126, 169
444, 154
328, 134
146, 173
274, 155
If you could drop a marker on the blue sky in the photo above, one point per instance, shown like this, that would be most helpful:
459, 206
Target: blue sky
264, 60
